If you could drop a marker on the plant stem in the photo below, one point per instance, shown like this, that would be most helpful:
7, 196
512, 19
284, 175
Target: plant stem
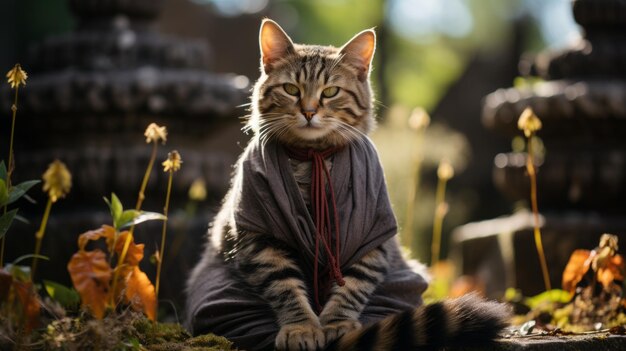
9, 169
146, 177
39, 236
440, 213
530, 166
412, 195
410, 206
10, 165
140, 199
162, 249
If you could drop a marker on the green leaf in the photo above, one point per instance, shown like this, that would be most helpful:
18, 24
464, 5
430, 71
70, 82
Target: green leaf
30, 199
17, 191
21, 273
21, 219
3, 171
67, 297
25, 257
6, 220
546, 297
4, 193
133, 217
116, 208
126, 219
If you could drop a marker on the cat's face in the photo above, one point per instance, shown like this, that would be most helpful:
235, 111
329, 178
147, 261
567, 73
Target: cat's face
312, 96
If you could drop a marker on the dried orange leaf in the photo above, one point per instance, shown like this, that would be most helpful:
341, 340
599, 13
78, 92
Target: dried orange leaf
30, 303
620, 268
135, 251
613, 270
575, 270
122, 274
140, 293
606, 277
90, 274
105, 231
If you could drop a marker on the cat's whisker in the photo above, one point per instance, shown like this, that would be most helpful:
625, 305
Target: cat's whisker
264, 115
380, 104
352, 134
272, 128
244, 105
263, 119
284, 129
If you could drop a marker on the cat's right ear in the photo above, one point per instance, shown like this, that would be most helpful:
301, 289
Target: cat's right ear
274, 42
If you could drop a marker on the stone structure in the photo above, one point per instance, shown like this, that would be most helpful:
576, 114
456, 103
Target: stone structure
90, 95
582, 179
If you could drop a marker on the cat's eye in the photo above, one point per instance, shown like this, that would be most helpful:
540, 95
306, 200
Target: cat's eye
330, 92
291, 89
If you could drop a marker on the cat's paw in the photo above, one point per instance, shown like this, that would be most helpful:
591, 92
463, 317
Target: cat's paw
335, 330
302, 336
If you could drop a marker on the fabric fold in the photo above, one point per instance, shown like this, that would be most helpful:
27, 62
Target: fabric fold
265, 198
362, 201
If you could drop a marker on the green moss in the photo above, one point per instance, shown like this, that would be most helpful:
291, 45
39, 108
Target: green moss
149, 332
211, 341
126, 331
173, 337
207, 342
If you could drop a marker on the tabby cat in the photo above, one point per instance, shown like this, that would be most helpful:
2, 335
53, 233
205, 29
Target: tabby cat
304, 269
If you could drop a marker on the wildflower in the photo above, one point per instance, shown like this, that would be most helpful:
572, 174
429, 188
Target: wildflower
171, 165
528, 122
155, 133
419, 119
17, 76
197, 190
445, 170
173, 162
57, 180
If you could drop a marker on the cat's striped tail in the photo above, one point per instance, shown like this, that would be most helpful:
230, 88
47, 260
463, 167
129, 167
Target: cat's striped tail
465, 321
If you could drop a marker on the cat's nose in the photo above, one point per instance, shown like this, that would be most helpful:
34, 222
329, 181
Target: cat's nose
308, 114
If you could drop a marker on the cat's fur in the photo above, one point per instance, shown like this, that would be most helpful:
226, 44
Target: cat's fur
314, 118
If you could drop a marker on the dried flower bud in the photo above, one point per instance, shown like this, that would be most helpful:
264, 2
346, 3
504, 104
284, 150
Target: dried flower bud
57, 180
445, 170
197, 190
528, 122
610, 241
17, 76
155, 133
173, 162
419, 119
604, 252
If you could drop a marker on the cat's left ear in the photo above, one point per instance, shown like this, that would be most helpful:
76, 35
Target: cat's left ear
360, 50
274, 42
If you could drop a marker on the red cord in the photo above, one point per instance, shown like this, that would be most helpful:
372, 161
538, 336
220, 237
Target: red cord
321, 212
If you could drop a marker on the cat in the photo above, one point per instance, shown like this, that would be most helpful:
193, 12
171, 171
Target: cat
303, 252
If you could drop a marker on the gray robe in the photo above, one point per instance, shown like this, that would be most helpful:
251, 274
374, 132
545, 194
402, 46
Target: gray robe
265, 198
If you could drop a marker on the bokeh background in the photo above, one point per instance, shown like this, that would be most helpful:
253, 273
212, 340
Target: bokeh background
444, 56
